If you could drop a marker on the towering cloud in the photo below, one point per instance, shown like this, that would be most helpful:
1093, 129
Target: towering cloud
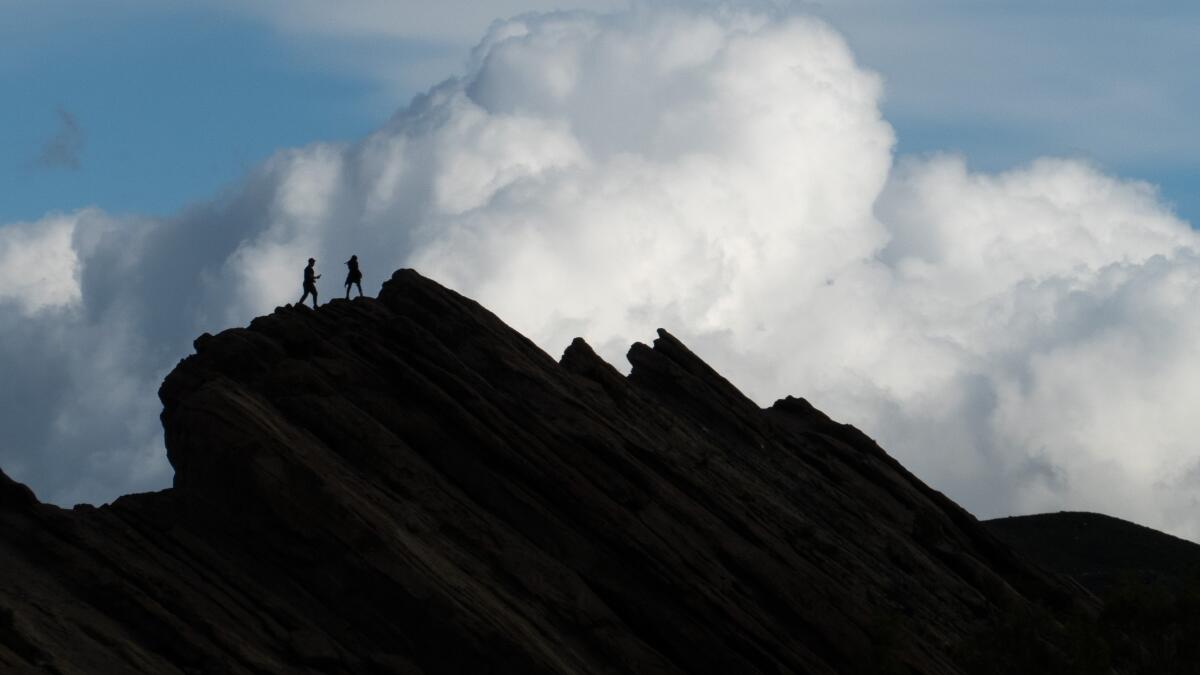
1023, 341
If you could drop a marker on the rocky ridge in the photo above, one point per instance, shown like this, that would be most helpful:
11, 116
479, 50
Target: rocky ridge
407, 485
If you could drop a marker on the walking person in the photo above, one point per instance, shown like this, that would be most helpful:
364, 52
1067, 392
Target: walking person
310, 282
354, 276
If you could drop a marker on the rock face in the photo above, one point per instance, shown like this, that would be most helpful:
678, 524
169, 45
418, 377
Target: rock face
407, 485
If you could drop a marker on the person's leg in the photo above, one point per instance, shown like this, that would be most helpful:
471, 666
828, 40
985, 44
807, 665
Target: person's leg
303, 297
359, 284
314, 298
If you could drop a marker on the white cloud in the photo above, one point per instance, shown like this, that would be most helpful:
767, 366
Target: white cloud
1022, 340
38, 265
1058, 299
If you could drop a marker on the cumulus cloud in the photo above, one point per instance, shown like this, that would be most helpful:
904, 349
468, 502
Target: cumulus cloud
1024, 341
38, 264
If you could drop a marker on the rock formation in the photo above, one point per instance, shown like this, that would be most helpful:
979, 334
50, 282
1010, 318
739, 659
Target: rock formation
407, 485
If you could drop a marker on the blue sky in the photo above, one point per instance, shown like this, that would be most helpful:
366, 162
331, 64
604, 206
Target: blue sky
173, 105
177, 100
1004, 82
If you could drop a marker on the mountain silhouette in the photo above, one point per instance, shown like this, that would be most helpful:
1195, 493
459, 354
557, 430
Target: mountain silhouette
407, 485
1148, 583
1101, 551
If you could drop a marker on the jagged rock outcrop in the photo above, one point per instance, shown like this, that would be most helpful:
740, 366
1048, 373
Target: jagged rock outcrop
407, 485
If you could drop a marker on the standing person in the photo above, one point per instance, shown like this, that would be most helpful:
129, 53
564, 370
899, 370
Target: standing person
353, 276
310, 282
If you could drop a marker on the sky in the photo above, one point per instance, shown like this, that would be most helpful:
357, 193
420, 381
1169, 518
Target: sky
965, 227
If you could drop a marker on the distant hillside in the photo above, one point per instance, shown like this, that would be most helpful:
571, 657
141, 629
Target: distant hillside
1148, 583
1100, 551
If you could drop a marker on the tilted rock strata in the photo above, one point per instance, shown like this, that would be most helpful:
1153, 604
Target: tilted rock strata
407, 485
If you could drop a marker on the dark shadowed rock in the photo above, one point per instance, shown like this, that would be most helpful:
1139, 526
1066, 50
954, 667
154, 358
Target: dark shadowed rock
1101, 551
1148, 582
407, 485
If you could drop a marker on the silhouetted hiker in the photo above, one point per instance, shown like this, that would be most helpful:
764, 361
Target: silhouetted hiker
310, 282
354, 276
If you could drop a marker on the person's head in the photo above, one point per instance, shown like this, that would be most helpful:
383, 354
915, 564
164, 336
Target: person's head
312, 261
